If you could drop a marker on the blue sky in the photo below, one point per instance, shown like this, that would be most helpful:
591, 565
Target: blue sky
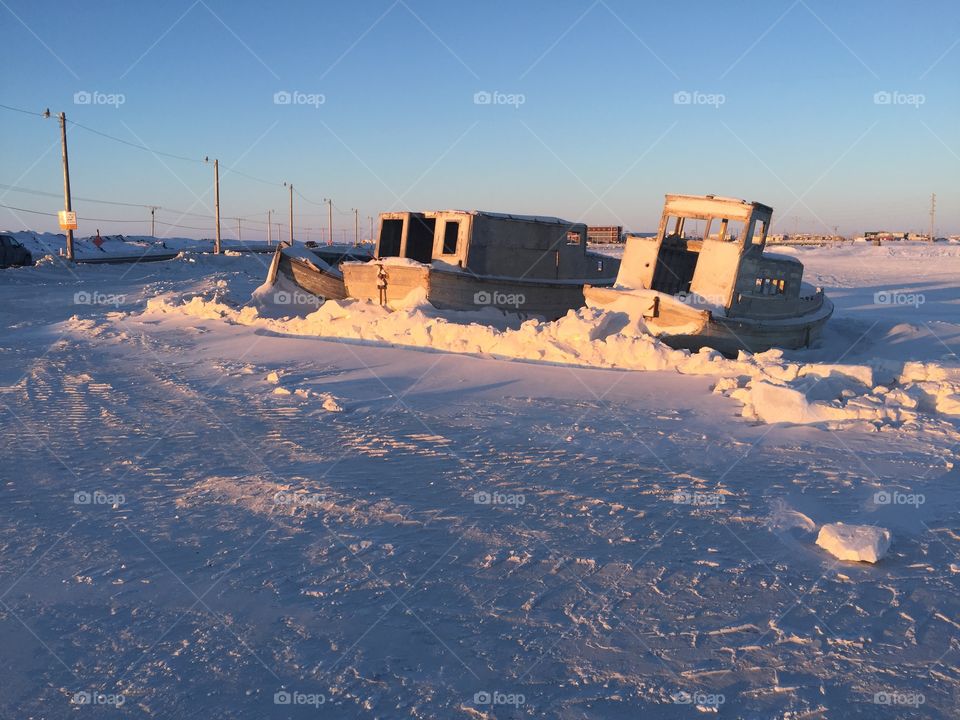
782, 109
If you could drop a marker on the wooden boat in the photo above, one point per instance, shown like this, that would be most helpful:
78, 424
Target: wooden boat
705, 281
459, 260
314, 269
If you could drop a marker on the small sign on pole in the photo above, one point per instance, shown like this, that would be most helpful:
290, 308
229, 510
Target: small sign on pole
68, 220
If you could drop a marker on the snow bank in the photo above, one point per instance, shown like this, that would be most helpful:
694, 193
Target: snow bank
861, 543
772, 389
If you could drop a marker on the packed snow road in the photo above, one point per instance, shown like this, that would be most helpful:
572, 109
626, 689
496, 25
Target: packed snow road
207, 517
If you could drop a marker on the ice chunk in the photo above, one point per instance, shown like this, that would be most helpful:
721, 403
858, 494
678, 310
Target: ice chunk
862, 543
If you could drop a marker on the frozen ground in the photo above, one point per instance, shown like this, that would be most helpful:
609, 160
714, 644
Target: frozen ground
204, 506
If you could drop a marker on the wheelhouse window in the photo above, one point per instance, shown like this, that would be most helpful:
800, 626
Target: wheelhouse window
759, 231
391, 232
726, 230
770, 286
451, 234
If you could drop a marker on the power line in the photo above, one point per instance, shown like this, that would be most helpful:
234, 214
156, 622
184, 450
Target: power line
21, 110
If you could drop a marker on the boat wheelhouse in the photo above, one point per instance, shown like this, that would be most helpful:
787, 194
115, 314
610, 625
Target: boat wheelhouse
466, 260
705, 280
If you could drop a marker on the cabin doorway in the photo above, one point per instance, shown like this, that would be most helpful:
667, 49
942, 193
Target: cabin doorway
677, 259
420, 238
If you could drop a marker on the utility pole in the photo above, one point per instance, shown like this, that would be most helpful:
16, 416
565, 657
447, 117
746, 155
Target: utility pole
291, 214
308, 235
933, 214
66, 182
356, 228
216, 202
329, 203
153, 226
238, 230
370, 218
269, 230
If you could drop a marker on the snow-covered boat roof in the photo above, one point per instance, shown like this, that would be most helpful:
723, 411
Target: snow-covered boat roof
508, 216
714, 205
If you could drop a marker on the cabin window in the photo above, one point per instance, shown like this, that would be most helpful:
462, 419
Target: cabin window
673, 227
451, 232
573, 237
759, 231
726, 230
770, 286
420, 239
390, 233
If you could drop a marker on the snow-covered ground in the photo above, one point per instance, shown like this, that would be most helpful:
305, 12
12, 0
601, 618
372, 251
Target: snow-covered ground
206, 503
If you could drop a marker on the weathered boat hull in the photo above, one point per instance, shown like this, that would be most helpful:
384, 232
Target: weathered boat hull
392, 285
690, 328
310, 271
314, 280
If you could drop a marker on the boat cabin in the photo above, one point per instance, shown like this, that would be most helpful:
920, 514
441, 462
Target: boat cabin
493, 244
710, 249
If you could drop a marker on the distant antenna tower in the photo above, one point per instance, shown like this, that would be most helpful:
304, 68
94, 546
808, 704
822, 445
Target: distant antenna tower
933, 214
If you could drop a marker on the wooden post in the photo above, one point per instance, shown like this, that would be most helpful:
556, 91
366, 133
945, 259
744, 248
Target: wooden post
269, 229
330, 218
291, 214
216, 200
66, 181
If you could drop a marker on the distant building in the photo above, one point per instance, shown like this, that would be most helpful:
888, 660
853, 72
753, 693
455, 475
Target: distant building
605, 234
884, 235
